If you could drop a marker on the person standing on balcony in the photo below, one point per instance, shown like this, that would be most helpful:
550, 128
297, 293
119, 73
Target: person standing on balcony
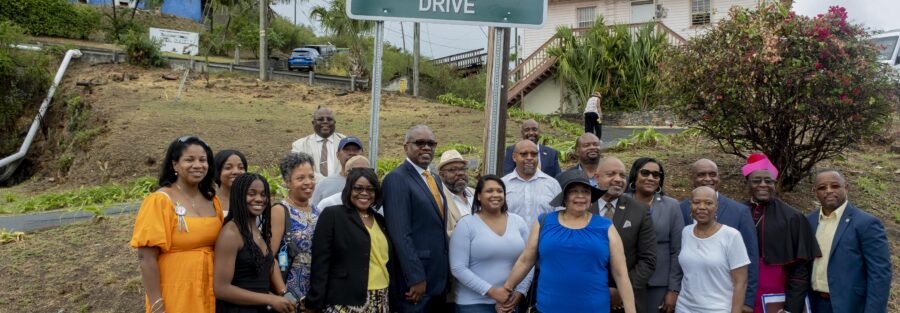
593, 116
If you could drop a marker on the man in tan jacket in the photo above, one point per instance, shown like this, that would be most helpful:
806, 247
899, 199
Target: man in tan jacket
454, 173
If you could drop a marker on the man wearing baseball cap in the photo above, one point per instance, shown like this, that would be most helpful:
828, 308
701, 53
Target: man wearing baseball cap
348, 147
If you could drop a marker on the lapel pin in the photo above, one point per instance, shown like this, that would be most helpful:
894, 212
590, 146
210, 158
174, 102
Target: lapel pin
847, 220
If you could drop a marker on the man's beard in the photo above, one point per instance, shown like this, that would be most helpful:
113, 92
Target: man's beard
457, 187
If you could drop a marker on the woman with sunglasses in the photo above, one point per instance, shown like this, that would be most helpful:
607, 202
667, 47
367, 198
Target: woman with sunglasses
175, 231
350, 251
645, 184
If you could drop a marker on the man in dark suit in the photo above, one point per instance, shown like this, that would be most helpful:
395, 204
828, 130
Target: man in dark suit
416, 215
635, 226
705, 172
854, 273
548, 158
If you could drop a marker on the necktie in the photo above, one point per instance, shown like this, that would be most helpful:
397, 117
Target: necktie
323, 156
609, 210
432, 185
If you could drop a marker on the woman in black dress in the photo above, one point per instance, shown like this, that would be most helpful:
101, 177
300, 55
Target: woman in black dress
243, 259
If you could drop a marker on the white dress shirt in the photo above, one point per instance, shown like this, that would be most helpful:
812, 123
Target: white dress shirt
529, 198
312, 145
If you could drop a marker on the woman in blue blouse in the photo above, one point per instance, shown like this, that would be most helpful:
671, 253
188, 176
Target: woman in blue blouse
300, 179
483, 249
577, 251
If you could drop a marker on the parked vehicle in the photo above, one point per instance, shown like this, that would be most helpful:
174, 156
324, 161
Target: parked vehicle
303, 58
889, 45
324, 50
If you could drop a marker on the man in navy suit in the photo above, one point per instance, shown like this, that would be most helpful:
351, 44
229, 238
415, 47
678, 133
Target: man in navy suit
854, 273
416, 215
705, 172
548, 158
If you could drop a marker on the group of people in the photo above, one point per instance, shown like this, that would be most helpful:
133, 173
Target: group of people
592, 238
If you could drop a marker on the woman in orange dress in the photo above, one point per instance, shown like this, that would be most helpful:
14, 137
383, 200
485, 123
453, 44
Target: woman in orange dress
176, 229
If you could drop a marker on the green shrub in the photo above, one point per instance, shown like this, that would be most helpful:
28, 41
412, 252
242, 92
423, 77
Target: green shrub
799, 89
569, 128
141, 50
51, 17
84, 197
24, 79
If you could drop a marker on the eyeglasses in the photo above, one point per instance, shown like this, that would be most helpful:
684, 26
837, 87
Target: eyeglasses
421, 143
363, 189
455, 170
647, 173
762, 181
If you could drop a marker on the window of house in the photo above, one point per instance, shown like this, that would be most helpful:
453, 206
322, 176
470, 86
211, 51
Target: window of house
700, 12
585, 16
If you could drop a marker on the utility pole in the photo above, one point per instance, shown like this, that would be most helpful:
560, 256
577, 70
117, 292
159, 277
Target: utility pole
415, 59
263, 68
495, 100
295, 12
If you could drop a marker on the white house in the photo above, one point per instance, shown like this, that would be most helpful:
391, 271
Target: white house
684, 18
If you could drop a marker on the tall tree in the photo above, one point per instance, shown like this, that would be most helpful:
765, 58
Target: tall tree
335, 20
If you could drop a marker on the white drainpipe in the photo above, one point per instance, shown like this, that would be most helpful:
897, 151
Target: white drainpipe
11, 162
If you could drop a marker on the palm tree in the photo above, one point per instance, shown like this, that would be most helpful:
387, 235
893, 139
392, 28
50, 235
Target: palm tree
336, 22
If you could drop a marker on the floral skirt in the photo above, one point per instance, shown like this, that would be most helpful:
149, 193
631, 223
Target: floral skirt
376, 302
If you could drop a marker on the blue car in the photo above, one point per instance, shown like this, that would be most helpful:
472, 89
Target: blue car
303, 58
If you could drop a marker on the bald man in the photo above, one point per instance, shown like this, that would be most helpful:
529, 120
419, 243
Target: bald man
635, 226
322, 145
528, 189
548, 158
705, 172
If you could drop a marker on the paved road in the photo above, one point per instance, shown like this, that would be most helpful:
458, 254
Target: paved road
611, 135
39, 221
44, 220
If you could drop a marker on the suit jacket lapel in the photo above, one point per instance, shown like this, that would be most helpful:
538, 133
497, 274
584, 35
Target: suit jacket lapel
354, 218
420, 181
843, 222
619, 214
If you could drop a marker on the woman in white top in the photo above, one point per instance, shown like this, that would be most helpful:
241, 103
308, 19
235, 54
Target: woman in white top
714, 261
593, 116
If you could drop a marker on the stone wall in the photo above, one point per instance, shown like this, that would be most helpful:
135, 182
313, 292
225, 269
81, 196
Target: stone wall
645, 118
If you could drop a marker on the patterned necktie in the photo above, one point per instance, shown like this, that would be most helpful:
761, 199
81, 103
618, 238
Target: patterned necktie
432, 185
609, 210
323, 156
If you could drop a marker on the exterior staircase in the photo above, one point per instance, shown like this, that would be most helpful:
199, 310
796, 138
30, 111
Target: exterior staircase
539, 66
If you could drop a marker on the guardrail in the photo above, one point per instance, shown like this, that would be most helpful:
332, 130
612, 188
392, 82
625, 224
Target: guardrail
311, 78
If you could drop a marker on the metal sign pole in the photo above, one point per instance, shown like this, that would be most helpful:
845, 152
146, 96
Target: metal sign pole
376, 94
497, 67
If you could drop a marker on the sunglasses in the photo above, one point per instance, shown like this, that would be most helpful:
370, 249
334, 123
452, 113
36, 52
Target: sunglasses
185, 139
647, 173
363, 189
421, 143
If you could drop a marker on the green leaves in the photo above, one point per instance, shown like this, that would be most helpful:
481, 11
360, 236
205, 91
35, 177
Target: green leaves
799, 89
620, 62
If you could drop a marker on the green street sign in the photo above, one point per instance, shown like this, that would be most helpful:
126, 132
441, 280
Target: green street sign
499, 13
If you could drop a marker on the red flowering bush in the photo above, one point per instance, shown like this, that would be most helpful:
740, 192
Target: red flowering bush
799, 89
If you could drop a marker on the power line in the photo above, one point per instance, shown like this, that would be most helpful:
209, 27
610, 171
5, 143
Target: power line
428, 41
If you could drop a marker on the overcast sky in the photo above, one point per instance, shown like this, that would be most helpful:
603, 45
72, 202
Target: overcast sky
441, 39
